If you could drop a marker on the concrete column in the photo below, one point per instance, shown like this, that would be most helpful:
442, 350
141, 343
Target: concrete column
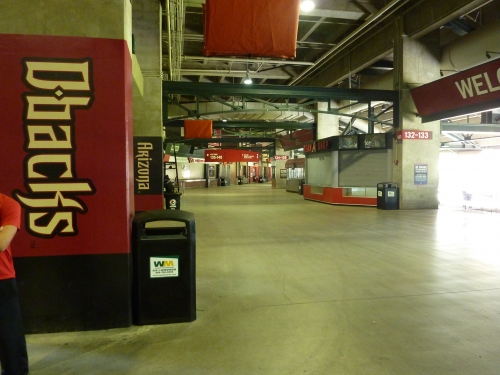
81, 246
84, 18
328, 125
147, 96
416, 63
146, 21
280, 182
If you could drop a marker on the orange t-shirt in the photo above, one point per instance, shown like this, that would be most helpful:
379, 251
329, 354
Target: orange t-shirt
10, 214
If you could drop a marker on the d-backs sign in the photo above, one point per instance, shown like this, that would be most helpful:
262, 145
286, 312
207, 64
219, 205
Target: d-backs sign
65, 138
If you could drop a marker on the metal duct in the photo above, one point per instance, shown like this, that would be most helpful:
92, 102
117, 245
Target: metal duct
470, 50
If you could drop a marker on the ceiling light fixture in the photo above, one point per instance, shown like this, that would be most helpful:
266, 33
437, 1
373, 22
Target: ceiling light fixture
247, 80
307, 5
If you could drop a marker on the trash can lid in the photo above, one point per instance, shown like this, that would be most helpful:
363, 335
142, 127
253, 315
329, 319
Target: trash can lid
163, 215
387, 184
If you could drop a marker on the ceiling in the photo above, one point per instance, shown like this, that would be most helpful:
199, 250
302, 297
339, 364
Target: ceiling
335, 30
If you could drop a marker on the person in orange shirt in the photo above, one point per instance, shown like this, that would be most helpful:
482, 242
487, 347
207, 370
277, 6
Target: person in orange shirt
13, 352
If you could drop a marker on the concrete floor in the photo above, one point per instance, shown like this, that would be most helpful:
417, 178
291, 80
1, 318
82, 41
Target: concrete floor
287, 287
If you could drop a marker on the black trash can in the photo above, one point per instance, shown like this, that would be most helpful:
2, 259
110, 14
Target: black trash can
240, 180
163, 267
387, 196
301, 187
222, 181
172, 201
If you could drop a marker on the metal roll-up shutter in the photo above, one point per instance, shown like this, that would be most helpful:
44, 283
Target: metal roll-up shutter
364, 168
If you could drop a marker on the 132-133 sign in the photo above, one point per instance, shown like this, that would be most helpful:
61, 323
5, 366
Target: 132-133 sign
414, 134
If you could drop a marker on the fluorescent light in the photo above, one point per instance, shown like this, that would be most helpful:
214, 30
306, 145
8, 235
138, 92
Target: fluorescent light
307, 5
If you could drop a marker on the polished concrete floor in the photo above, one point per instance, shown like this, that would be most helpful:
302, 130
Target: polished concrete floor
287, 286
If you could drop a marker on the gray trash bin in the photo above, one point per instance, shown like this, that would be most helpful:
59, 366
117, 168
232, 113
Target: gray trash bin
172, 201
387, 196
163, 267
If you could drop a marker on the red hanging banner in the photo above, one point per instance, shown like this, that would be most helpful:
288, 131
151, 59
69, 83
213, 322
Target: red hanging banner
197, 129
231, 156
266, 28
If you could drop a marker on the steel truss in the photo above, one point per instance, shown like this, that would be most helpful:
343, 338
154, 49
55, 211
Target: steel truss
188, 97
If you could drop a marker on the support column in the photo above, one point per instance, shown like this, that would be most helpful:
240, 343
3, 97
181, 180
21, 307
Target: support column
279, 181
416, 63
71, 62
148, 127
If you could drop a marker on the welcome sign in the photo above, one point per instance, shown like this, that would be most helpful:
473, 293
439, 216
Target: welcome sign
474, 89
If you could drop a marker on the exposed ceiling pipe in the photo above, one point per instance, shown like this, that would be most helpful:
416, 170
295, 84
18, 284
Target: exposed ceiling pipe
470, 50
175, 17
169, 42
234, 73
249, 61
373, 21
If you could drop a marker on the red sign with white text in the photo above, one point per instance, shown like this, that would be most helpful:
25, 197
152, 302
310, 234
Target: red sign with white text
66, 105
228, 156
414, 134
473, 90
280, 157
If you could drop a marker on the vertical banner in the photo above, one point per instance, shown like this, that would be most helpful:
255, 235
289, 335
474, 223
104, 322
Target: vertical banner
148, 173
148, 165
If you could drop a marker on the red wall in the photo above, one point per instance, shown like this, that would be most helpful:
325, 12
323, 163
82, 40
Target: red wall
334, 196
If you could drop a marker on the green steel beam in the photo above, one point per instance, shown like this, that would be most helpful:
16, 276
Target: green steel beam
249, 92
228, 140
469, 128
334, 111
223, 102
252, 124
272, 91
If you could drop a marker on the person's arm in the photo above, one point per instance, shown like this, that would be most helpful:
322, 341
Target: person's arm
7, 233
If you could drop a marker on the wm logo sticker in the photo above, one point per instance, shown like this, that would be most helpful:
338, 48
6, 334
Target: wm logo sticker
164, 266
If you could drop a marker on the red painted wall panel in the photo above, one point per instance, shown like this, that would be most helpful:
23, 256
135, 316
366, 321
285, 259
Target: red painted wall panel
66, 139
333, 195
251, 28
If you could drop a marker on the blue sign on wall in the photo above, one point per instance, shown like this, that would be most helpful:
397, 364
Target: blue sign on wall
420, 176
